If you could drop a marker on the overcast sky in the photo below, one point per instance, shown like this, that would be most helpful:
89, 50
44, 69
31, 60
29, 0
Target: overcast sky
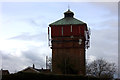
23, 34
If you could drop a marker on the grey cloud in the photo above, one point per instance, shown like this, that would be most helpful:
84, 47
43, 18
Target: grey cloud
33, 55
112, 7
104, 44
36, 56
110, 23
31, 37
104, 38
39, 23
12, 62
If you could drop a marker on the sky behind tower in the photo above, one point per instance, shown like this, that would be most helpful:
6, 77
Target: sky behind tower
23, 34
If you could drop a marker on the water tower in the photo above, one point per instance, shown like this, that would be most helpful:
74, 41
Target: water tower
68, 39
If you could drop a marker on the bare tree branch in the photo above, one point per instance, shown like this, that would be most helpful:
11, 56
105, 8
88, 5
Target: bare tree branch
101, 68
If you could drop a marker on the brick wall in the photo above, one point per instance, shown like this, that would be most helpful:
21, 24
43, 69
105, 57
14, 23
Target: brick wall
68, 56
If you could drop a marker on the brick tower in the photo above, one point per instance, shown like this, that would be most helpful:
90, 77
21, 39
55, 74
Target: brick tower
69, 40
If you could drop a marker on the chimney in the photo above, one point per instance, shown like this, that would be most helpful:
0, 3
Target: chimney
33, 66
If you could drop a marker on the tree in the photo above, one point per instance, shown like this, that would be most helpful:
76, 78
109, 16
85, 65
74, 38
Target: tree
101, 68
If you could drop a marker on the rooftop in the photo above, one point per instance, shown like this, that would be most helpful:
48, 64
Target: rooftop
67, 20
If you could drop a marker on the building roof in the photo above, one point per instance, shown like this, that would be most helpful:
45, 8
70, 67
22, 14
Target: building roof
4, 72
30, 69
35, 70
67, 20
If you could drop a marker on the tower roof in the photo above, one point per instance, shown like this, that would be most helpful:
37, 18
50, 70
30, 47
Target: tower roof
68, 13
67, 20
